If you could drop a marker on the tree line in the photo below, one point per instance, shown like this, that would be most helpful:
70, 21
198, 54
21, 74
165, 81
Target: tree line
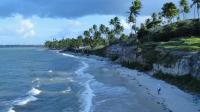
102, 35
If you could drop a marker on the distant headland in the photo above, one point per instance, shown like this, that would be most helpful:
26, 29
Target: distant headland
4, 46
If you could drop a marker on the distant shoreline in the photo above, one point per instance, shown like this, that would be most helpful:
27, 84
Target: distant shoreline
10, 46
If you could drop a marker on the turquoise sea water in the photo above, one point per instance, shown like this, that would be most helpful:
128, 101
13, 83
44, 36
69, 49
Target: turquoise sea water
39, 80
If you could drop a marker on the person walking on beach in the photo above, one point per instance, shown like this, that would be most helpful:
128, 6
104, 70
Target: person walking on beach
159, 89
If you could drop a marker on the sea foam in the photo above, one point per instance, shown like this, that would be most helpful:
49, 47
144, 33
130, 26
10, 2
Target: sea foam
87, 95
69, 55
11, 109
34, 92
24, 101
50, 71
66, 91
36, 80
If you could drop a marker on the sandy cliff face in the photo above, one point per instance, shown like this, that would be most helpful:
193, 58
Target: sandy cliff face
185, 65
195, 65
181, 67
125, 53
180, 63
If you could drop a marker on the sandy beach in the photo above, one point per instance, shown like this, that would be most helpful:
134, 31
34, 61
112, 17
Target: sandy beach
172, 98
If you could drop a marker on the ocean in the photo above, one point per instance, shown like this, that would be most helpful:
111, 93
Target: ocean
40, 80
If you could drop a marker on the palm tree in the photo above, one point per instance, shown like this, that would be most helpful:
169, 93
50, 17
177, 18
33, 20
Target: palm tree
86, 34
107, 30
80, 40
95, 27
97, 39
134, 12
117, 28
115, 21
91, 32
154, 22
102, 30
196, 4
111, 37
184, 7
169, 11
111, 22
154, 17
87, 38
131, 20
124, 38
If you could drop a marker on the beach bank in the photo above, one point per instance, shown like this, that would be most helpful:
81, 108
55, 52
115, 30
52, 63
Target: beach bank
171, 98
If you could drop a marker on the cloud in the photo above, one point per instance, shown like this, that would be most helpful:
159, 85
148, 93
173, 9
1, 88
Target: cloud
26, 28
125, 24
141, 19
17, 26
18, 29
75, 8
63, 8
74, 23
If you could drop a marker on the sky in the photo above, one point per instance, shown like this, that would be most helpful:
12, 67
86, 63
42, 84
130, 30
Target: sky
36, 21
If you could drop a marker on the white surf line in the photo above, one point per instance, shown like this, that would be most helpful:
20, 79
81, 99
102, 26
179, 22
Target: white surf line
24, 101
11, 109
37, 81
34, 92
69, 55
50, 71
30, 96
66, 91
88, 94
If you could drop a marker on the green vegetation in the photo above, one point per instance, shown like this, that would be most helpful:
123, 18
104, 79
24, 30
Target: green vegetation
100, 51
167, 32
155, 29
170, 11
184, 44
184, 7
93, 38
155, 33
134, 65
150, 54
154, 40
187, 82
134, 11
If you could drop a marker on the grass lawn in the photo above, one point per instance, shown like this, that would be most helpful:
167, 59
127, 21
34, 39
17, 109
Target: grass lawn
185, 44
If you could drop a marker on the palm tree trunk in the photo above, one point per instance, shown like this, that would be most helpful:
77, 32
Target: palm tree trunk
183, 15
180, 13
131, 29
135, 25
194, 12
198, 12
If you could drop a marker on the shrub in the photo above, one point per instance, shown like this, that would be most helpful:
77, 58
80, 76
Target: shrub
175, 30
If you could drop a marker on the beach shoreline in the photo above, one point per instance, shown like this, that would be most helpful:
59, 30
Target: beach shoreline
171, 99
